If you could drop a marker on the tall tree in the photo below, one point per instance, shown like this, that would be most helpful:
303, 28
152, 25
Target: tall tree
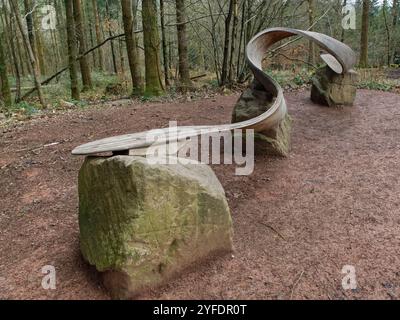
182, 44
80, 32
9, 25
110, 33
72, 50
225, 59
388, 32
395, 37
233, 40
5, 93
364, 34
164, 44
99, 37
151, 40
31, 56
29, 23
39, 43
131, 47
311, 20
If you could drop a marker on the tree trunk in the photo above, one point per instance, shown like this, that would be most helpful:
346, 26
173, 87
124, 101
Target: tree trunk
5, 93
311, 20
39, 45
99, 37
114, 59
32, 60
388, 32
225, 61
242, 35
10, 26
364, 34
121, 57
88, 13
151, 48
395, 15
72, 50
233, 40
80, 32
343, 32
184, 74
131, 47
29, 23
164, 44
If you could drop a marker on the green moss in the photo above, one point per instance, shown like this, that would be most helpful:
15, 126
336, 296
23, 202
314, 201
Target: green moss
135, 217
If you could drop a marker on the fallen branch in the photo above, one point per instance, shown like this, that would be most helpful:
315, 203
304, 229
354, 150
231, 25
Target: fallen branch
26, 88
199, 76
33, 149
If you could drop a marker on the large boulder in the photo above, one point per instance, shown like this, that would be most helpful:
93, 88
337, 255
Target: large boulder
253, 102
333, 89
140, 224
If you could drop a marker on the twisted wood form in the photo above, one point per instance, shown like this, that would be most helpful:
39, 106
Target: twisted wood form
339, 57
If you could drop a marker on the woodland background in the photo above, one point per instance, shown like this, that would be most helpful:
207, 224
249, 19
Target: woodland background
107, 49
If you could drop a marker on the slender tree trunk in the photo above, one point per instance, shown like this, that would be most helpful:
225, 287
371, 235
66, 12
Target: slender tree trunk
88, 14
311, 20
99, 37
233, 40
61, 34
388, 32
72, 50
242, 29
34, 65
121, 57
39, 45
395, 15
343, 32
114, 60
80, 32
164, 44
135, 26
225, 61
10, 26
364, 34
151, 40
29, 24
5, 93
131, 47
184, 74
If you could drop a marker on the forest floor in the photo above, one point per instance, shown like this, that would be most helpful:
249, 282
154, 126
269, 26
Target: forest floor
334, 202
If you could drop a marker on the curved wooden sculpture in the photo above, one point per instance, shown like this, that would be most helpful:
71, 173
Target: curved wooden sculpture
339, 57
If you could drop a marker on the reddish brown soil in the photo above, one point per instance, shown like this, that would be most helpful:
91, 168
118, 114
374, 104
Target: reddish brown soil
335, 201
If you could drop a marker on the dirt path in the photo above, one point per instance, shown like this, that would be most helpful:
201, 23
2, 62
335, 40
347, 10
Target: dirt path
335, 201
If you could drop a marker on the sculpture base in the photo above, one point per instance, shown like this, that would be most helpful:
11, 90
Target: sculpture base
276, 141
140, 223
253, 102
332, 89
